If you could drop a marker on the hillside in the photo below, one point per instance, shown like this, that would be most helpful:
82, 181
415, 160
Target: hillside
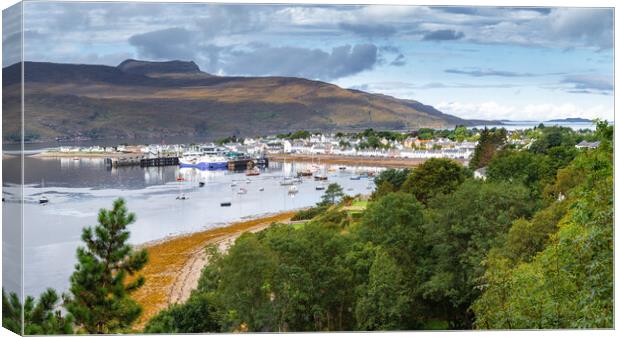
140, 99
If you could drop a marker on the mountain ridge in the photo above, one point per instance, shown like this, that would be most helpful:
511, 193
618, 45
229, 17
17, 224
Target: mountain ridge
144, 99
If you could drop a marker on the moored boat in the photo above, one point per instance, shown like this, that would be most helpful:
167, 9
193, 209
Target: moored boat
293, 189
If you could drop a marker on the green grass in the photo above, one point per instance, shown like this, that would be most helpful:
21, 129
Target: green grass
297, 226
362, 203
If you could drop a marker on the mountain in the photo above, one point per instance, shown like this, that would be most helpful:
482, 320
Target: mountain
140, 99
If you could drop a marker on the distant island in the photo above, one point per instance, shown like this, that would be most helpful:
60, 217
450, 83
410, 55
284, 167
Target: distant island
570, 120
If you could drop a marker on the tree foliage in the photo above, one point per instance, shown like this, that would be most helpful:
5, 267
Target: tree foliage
434, 176
99, 292
41, 316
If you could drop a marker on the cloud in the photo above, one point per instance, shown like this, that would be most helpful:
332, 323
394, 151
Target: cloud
266, 60
443, 35
589, 83
495, 111
171, 43
399, 61
477, 72
369, 30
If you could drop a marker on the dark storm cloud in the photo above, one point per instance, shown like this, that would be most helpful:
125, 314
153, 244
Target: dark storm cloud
302, 62
487, 72
443, 35
369, 30
171, 43
589, 83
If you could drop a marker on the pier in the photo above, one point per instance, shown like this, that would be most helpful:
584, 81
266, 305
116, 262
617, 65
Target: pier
141, 161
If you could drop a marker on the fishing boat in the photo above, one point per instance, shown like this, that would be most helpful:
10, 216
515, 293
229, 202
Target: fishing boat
225, 204
293, 189
203, 161
355, 177
242, 191
320, 187
252, 172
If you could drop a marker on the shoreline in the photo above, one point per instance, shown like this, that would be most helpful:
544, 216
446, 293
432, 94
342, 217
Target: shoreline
353, 160
175, 263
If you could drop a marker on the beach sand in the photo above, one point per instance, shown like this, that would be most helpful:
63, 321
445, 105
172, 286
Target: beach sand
175, 264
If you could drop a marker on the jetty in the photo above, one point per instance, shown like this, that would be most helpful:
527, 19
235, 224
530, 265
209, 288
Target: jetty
141, 161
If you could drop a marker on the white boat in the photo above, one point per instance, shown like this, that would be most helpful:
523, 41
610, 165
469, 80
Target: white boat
355, 177
242, 191
287, 182
293, 189
182, 197
261, 189
203, 161
233, 184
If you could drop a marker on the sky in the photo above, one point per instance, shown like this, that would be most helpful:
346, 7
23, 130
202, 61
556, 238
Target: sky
526, 63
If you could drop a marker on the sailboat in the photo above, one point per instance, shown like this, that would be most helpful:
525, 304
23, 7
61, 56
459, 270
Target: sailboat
43, 199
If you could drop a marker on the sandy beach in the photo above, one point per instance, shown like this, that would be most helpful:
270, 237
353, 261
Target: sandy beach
351, 160
175, 263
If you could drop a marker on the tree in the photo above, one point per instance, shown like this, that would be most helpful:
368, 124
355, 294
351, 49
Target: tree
434, 176
99, 291
384, 301
489, 142
395, 177
461, 229
332, 194
197, 315
41, 317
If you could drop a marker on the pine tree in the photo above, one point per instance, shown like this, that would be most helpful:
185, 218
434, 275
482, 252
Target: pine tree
99, 292
332, 194
41, 317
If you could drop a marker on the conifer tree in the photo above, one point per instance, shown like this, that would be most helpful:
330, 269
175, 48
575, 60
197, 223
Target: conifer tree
99, 292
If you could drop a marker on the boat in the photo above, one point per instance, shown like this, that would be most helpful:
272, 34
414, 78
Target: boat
180, 179
76, 158
182, 197
233, 184
298, 180
247, 181
201, 184
261, 189
320, 177
356, 177
293, 189
342, 168
304, 173
203, 161
242, 191
320, 187
43, 199
252, 172
331, 169
225, 204
287, 182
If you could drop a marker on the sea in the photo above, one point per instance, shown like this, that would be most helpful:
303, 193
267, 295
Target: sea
78, 188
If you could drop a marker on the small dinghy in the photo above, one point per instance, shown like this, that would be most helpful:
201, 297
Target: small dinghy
225, 204
355, 178
42, 200
261, 189
201, 184
182, 197
233, 184
242, 191
293, 189
320, 187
